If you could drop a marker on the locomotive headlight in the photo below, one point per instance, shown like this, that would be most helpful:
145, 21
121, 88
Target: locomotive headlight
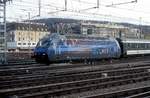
43, 54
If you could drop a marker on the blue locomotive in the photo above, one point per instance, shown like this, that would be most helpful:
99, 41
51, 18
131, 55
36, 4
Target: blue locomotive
57, 47
64, 47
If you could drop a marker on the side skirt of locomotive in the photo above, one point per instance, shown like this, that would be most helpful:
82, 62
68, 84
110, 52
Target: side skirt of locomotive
82, 60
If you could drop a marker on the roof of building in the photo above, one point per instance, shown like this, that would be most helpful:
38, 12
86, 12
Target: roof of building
27, 26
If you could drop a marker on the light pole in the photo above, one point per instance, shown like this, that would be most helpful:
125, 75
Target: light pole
140, 24
29, 29
3, 35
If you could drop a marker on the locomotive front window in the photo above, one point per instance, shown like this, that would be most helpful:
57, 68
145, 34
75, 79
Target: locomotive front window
38, 44
44, 43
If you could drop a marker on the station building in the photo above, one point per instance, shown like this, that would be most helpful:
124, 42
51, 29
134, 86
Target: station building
24, 36
110, 30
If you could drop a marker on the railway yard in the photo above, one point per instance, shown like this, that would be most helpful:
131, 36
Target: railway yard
74, 49
124, 78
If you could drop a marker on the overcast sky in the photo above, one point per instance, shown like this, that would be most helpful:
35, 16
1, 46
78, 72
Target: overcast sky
137, 13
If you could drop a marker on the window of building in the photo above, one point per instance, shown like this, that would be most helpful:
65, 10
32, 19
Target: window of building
19, 39
23, 38
24, 43
22, 28
18, 28
29, 43
19, 43
31, 34
1, 34
33, 43
148, 45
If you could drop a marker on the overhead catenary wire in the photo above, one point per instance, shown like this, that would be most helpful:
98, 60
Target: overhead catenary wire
117, 7
70, 10
56, 9
134, 1
85, 2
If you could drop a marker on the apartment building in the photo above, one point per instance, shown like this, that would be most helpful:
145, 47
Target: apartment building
23, 36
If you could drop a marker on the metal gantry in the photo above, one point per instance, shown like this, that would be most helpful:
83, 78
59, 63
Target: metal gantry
3, 39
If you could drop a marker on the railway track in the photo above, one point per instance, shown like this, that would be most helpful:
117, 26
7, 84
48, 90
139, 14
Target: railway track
37, 68
142, 94
42, 79
76, 80
23, 73
67, 83
77, 86
136, 90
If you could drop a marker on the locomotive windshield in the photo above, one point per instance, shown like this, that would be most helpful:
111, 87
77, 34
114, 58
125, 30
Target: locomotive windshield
44, 43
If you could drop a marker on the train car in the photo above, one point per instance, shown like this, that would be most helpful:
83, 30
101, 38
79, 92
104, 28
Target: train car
59, 47
132, 47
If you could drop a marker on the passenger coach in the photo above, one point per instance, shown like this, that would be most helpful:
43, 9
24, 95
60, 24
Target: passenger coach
135, 47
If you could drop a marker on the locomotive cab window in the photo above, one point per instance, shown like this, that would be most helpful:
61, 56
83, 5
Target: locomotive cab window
44, 43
